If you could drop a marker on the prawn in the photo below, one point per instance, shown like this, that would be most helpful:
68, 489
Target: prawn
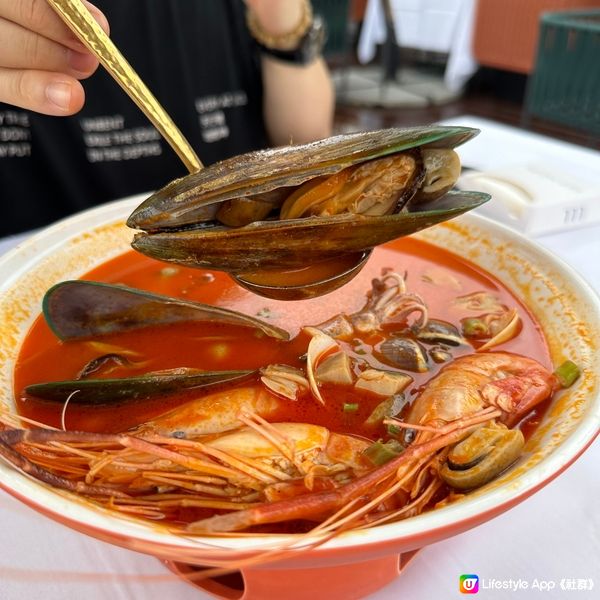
214, 413
305, 476
231, 471
218, 412
513, 384
471, 391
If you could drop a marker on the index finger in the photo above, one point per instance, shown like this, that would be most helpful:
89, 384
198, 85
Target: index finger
38, 16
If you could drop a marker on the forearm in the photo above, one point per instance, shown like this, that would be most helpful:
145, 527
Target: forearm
298, 101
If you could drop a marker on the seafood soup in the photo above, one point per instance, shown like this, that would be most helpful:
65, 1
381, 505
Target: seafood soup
414, 384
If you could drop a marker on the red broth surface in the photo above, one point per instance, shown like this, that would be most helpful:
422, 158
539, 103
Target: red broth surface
438, 276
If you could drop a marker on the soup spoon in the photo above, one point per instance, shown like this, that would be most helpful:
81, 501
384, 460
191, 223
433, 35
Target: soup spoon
84, 26
304, 284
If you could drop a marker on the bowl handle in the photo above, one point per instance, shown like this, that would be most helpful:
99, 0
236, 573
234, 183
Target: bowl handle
349, 581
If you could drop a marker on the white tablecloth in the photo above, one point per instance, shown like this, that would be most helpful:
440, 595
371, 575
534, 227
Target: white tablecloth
444, 26
553, 536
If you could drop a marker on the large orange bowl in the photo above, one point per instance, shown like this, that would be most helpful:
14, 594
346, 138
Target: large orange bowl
355, 563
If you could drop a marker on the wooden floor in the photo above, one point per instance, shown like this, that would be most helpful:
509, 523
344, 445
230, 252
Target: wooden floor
486, 104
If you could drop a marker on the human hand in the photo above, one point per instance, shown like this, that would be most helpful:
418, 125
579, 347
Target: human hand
41, 61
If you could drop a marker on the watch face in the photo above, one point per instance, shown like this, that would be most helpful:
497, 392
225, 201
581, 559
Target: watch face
313, 42
309, 47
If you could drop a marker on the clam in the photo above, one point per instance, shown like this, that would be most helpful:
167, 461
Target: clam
436, 331
405, 353
267, 216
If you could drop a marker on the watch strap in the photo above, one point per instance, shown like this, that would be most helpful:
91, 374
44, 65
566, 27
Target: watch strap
309, 47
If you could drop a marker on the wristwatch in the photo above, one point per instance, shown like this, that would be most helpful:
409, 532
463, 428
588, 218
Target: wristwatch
309, 47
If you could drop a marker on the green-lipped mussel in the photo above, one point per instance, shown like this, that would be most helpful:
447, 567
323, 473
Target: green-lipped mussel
84, 309
286, 208
127, 389
88, 309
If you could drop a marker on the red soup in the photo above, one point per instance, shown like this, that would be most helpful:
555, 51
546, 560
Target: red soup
457, 296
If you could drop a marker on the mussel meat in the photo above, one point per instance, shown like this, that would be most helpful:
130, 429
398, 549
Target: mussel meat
289, 207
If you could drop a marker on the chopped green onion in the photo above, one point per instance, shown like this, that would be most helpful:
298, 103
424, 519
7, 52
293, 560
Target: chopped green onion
350, 406
567, 373
474, 328
379, 453
394, 429
395, 445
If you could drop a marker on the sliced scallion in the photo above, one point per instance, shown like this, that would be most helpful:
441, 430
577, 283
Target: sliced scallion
567, 373
394, 429
380, 453
350, 406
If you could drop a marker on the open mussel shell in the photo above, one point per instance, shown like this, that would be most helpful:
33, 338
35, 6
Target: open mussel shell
297, 242
85, 309
195, 198
128, 389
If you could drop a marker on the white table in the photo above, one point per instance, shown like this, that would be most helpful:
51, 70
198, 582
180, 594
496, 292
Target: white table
552, 536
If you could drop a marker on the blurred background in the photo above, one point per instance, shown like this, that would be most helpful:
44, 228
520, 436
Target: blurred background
529, 63
525, 72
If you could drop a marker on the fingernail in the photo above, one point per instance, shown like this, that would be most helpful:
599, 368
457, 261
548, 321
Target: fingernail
59, 94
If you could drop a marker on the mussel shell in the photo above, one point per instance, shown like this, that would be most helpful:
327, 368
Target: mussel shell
86, 309
195, 198
128, 389
295, 243
405, 353
437, 331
